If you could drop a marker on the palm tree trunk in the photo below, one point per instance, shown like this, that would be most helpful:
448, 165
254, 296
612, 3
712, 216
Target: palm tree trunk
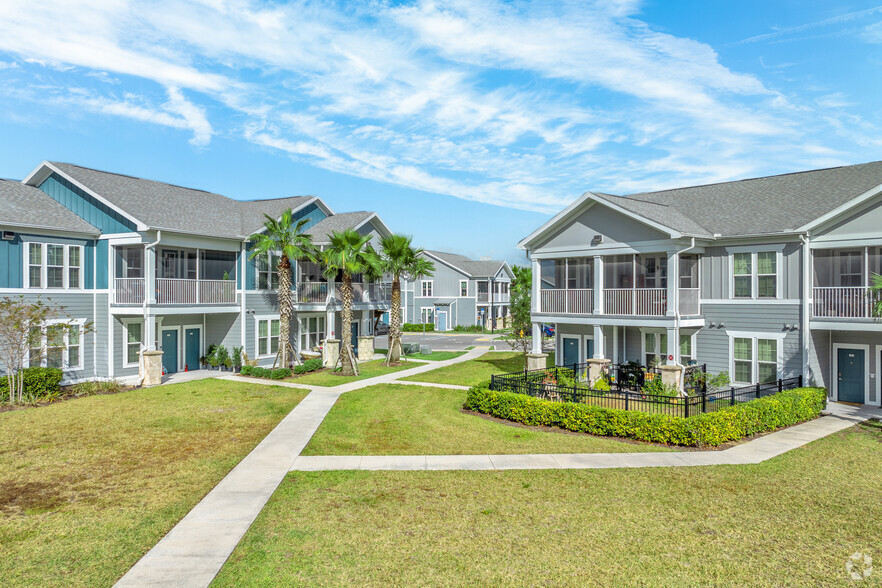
286, 306
346, 359
394, 354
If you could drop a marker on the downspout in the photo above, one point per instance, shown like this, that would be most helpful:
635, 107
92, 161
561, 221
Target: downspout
677, 309
142, 372
806, 285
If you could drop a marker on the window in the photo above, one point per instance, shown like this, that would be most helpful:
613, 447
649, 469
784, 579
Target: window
743, 275
427, 288
851, 268
130, 262
427, 316
686, 355
267, 276
267, 336
755, 359
655, 346
312, 332
55, 266
56, 345
689, 271
134, 337
755, 274
463, 287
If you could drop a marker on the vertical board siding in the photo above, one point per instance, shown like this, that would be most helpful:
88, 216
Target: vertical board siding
12, 263
85, 206
102, 251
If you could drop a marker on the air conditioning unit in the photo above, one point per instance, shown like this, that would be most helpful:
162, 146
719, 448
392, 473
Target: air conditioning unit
8, 235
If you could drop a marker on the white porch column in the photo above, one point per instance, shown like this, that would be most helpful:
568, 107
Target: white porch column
330, 327
149, 332
537, 285
673, 283
537, 339
673, 349
150, 274
599, 351
598, 284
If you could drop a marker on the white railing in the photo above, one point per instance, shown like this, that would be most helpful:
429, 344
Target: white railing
635, 301
181, 291
843, 302
689, 301
128, 290
483, 297
315, 292
500, 297
380, 292
577, 301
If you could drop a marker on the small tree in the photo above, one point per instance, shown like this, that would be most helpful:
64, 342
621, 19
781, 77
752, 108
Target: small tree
521, 335
21, 338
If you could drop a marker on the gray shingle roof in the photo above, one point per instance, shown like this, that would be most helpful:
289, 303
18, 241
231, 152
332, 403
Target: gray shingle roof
338, 222
755, 206
166, 206
475, 269
26, 206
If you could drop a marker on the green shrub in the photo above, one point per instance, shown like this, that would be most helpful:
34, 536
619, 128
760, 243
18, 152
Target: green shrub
468, 328
309, 365
656, 387
93, 387
416, 327
39, 384
280, 373
247, 370
709, 429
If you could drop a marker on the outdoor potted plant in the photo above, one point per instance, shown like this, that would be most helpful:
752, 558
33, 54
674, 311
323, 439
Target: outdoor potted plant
223, 357
237, 359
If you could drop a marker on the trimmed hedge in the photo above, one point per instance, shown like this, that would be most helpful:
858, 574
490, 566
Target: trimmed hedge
39, 384
309, 365
708, 429
281, 373
416, 327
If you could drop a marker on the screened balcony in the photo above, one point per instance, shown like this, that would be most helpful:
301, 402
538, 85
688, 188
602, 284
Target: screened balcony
841, 280
313, 287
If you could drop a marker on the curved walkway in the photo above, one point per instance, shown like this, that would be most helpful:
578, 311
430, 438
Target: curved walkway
193, 552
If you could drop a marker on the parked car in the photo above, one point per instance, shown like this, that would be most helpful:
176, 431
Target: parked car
382, 328
548, 330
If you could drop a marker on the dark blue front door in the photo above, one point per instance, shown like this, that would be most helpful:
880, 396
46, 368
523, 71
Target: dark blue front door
850, 376
589, 349
570, 351
170, 351
191, 349
355, 336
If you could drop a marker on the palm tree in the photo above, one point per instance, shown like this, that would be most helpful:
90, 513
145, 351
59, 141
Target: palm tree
401, 259
287, 237
349, 253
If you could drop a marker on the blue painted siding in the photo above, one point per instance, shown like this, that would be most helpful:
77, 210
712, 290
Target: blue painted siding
12, 263
250, 270
86, 207
102, 251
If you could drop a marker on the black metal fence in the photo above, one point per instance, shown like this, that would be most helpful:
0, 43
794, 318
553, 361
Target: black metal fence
546, 384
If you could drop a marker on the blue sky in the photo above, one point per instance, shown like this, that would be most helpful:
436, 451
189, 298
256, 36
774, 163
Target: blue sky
465, 124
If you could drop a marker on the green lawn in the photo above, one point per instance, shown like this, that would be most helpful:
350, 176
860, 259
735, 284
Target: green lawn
391, 419
477, 371
88, 486
367, 369
791, 521
434, 356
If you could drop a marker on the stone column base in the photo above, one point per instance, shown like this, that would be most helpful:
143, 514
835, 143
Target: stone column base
152, 362
672, 375
366, 348
597, 370
331, 352
536, 361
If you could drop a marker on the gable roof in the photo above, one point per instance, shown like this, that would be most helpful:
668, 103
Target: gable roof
28, 207
768, 205
473, 269
176, 208
336, 223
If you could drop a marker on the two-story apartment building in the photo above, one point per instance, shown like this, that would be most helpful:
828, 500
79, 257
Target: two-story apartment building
764, 278
461, 291
156, 266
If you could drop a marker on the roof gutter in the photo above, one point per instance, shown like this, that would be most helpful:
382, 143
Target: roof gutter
677, 307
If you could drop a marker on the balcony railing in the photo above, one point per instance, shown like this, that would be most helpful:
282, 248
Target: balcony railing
843, 302
635, 301
484, 298
312, 292
317, 292
128, 290
567, 301
689, 301
182, 291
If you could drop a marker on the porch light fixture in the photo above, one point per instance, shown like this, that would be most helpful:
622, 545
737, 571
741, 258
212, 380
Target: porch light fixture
8, 235
597, 240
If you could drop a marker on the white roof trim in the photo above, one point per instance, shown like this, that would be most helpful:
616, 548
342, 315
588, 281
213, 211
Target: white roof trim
39, 175
308, 201
448, 264
841, 209
522, 244
383, 227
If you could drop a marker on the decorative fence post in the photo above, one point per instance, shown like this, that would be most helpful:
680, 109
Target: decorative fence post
704, 400
731, 396
780, 385
757, 390
686, 407
626, 400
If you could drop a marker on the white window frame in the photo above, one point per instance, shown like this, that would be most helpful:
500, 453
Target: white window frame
305, 331
754, 280
430, 289
662, 354
423, 310
692, 340
44, 266
461, 284
125, 340
754, 336
257, 320
271, 272
65, 352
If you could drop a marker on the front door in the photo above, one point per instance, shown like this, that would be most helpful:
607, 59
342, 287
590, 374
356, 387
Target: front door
355, 335
191, 349
570, 351
442, 320
850, 377
170, 351
589, 349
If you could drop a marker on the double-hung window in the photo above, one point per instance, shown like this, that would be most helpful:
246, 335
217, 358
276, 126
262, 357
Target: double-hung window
267, 336
743, 269
427, 316
50, 265
463, 287
427, 288
655, 346
755, 359
312, 332
686, 353
56, 345
755, 274
134, 337
267, 276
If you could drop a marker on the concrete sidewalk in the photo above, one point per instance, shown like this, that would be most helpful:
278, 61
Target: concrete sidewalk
840, 416
193, 552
